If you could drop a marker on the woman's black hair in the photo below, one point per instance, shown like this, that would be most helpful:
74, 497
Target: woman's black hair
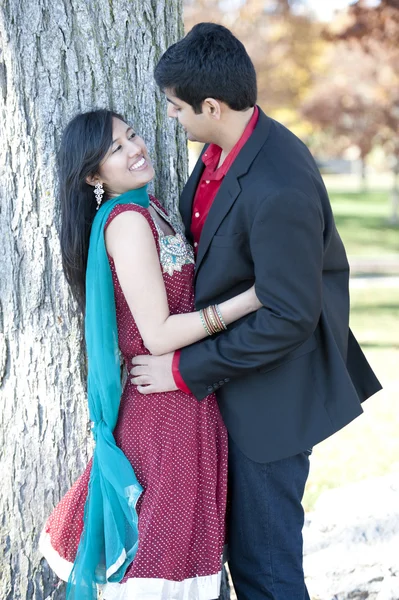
85, 142
209, 62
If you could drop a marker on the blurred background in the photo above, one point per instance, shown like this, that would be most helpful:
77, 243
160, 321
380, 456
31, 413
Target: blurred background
329, 71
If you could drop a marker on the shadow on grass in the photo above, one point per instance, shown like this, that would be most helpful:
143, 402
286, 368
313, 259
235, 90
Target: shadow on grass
377, 308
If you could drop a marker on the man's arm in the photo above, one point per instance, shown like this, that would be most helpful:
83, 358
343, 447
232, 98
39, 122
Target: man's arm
286, 242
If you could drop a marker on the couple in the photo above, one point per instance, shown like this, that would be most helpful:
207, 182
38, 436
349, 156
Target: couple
281, 365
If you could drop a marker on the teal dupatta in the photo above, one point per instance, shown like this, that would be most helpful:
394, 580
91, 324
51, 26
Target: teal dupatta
110, 533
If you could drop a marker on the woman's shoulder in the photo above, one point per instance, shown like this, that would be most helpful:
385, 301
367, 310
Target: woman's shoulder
126, 208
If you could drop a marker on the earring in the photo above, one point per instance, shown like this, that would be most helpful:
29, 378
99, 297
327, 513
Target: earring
99, 193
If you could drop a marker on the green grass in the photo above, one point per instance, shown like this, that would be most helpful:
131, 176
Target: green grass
362, 221
369, 446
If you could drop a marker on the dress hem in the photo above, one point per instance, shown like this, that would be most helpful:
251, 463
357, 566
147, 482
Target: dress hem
205, 587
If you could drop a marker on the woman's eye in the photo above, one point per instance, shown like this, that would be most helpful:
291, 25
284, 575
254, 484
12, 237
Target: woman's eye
132, 135
116, 149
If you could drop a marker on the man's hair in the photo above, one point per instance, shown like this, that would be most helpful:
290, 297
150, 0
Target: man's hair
209, 62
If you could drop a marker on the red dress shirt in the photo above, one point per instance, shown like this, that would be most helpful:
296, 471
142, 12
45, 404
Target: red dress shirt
208, 187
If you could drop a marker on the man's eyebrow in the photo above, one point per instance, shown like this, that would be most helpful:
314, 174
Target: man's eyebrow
117, 139
171, 101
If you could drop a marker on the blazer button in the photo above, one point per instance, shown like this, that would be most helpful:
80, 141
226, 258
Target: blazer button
210, 389
221, 382
215, 386
227, 379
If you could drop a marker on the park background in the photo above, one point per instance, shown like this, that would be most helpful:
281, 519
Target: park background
328, 70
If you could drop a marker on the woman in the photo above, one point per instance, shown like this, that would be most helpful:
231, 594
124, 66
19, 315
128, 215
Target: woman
160, 460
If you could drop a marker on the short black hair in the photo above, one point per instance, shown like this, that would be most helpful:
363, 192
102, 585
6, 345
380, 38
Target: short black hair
209, 62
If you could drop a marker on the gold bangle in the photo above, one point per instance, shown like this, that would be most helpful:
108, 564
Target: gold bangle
209, 322
211, 314
219, 314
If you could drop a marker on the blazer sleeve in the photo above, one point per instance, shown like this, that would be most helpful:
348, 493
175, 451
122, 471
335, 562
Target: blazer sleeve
286, 242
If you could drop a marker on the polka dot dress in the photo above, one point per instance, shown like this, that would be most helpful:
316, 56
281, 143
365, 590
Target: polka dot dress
178, 449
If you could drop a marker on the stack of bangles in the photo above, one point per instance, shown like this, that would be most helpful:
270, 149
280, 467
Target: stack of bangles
212, 320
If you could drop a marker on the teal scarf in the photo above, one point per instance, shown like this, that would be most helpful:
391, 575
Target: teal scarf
110, 534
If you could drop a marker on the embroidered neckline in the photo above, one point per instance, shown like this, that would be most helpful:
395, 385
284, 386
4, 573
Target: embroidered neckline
165, 218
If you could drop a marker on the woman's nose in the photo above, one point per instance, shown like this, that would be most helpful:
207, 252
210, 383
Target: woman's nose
134, 149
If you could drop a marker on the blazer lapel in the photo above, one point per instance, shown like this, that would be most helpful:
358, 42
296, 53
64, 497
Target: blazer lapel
230, 187
225, 198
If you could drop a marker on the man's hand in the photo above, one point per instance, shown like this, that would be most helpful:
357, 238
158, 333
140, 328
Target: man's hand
153, 374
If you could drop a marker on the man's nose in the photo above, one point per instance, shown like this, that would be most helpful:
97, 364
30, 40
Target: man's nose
171, 112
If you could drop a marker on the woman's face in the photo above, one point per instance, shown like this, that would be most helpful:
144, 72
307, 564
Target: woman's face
127, 165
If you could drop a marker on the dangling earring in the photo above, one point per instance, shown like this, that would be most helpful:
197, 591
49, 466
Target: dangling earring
99, 193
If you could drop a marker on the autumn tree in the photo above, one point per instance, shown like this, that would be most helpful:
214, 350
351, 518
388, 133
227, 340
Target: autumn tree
344, 104
375, 30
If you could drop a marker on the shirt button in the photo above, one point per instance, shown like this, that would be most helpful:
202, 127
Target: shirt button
195, 244
197, 214
207, 181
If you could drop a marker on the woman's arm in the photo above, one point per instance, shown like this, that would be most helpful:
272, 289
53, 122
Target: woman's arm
131, 244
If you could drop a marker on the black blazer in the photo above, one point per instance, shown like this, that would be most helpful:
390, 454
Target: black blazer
291, 374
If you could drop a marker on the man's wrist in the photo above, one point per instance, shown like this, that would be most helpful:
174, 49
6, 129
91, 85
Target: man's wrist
179, 381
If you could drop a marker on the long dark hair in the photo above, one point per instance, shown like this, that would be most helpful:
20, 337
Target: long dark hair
85, 142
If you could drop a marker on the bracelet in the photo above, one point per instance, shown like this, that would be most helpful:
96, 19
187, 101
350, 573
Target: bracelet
203, 321
215, 326
208, 321
212, 320
219, 314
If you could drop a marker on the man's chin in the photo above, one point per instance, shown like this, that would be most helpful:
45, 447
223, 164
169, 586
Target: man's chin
191, 137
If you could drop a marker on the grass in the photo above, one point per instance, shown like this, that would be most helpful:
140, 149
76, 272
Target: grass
362, 221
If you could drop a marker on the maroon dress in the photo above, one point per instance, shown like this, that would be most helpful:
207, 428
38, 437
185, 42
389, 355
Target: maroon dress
178, 449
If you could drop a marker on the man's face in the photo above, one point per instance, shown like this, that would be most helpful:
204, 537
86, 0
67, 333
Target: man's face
196, 126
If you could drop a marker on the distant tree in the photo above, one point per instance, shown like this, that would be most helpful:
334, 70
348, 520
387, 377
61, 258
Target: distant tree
345, 103
375, 29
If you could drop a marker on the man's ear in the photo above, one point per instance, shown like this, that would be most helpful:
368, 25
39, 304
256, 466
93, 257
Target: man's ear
212, 107
93, 179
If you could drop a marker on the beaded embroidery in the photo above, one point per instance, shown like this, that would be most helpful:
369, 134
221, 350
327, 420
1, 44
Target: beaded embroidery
175, 251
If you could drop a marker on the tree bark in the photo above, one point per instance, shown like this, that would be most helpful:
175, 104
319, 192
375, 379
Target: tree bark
59, 58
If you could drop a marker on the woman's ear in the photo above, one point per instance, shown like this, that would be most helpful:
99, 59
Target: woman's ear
93, 179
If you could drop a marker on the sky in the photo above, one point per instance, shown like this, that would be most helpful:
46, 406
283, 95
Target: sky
324, 9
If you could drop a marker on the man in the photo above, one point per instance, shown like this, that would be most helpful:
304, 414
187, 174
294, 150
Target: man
291, 374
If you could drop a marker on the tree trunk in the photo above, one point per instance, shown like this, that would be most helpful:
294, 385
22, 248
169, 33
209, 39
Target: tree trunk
363, 174
58, 58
